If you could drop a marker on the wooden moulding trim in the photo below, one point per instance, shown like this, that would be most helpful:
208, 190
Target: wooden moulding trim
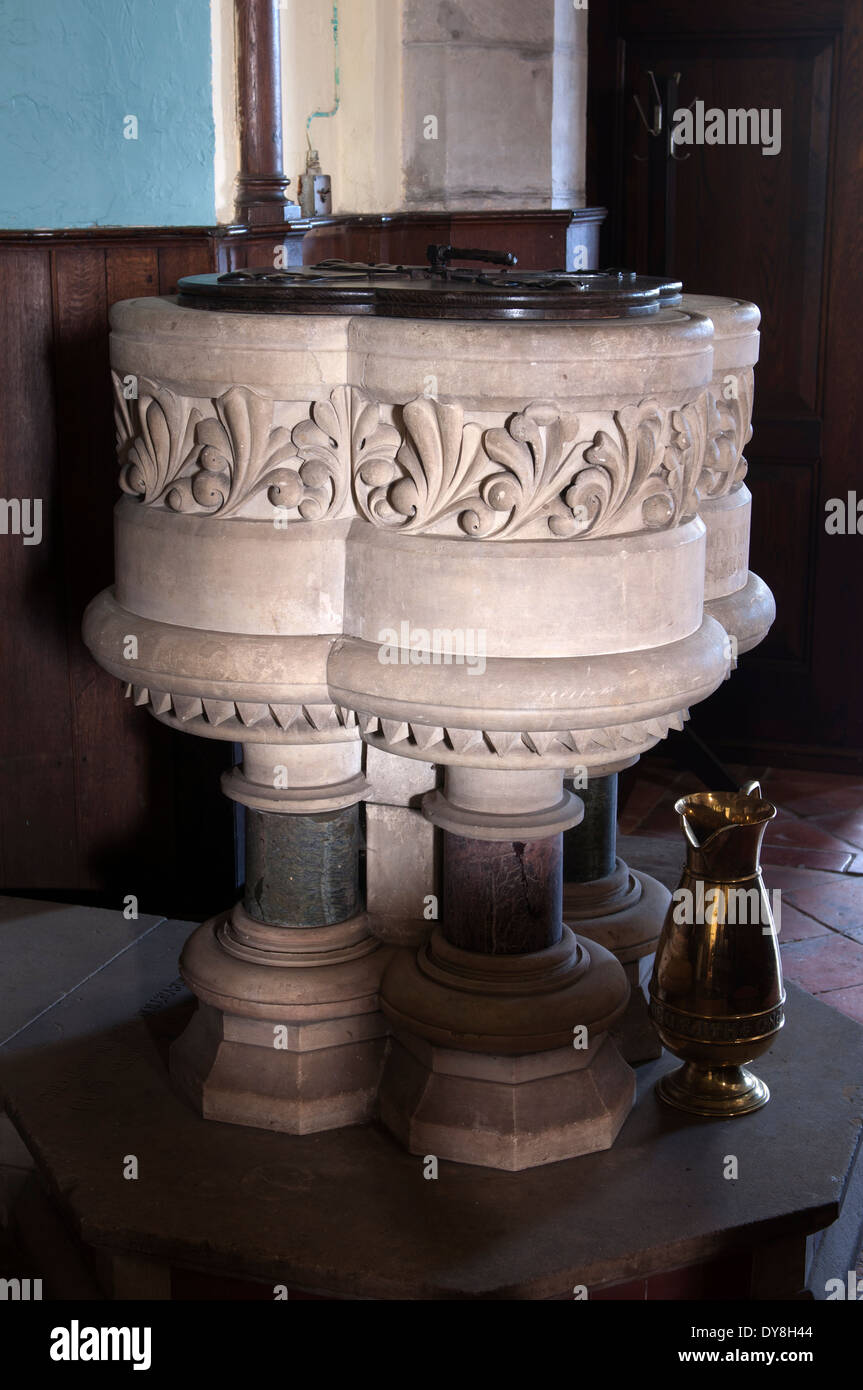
76, 235
238, 231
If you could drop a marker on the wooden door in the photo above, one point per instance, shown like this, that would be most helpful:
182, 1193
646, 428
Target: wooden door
782, 229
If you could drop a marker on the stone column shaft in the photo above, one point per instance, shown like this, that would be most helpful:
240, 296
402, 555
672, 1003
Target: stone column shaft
502, 897
303, 871
589, 851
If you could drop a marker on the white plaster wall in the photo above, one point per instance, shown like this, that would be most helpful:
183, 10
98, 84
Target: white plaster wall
359, 146
227, 155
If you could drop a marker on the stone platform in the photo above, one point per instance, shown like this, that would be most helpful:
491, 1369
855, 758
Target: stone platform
348, 1214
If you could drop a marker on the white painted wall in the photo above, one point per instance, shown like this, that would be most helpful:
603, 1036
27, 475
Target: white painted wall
360, 145
507, 80
227, 158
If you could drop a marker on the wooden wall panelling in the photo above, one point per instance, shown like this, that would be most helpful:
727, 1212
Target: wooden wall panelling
98, 800
178, 259
837, 644
37, 770
131, 272
542, 240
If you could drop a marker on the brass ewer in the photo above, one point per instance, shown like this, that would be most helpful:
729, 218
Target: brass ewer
716, 994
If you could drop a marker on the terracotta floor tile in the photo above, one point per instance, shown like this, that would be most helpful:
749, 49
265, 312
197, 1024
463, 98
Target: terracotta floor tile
803, 858
846, 825
789, 878
644, 797
827, 963
824, 803
805, 782
796, 926
791, 830
848, 1001
838, 905
808, 793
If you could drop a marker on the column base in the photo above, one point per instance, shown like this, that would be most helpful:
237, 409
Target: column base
624, 912
288, 1034
505, 1112
504, 1060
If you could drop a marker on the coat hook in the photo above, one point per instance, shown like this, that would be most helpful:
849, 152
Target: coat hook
654, 127
678, 158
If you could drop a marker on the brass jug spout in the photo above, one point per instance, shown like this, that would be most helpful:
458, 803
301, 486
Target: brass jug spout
724, 831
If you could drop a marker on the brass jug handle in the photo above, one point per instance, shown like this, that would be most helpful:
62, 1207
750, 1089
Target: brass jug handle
752, 789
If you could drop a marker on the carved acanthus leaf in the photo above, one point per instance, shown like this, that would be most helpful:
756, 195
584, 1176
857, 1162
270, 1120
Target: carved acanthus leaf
155, 437
346, 430
239, 455
530, 478
534, 476
215, 464
538, 455
729, 431
432, 476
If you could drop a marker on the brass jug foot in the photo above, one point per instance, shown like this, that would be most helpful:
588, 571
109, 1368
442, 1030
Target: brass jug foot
714, 1091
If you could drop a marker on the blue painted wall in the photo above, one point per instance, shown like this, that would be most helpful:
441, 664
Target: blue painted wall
70, 72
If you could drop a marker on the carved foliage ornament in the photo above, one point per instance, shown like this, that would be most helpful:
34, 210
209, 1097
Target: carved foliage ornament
729, 431
538, 476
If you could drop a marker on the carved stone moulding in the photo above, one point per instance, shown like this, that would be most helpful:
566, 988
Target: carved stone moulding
198, 680
304, 778
426, 445
733, 595
522, 599
601, 364
747, 614
424, 467
604, 748
735, 353
727, 519
482, 1067
558, 712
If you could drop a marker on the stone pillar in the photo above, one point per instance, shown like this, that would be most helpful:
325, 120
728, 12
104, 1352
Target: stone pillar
288, 1034
402, 850
501, 1055
495, 104
620, 908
